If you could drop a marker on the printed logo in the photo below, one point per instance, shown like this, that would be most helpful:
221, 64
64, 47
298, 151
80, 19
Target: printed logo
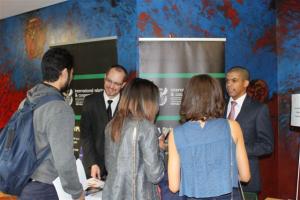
163, 96
68, 95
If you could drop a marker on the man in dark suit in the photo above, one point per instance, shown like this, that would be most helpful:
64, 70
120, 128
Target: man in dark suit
254, 120
97, 110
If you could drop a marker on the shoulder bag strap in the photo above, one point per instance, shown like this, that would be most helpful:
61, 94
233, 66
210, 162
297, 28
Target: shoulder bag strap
231, 163
231, 171
134, 146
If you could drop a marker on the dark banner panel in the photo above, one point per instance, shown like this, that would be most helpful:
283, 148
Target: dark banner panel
91, 60
170, 62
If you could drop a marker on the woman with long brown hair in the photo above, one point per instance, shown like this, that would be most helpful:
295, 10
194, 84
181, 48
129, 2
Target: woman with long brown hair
207, 154
132, 156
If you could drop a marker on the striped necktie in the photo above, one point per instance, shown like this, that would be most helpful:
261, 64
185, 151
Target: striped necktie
232, 110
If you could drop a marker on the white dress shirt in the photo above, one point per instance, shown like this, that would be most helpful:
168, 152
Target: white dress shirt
237, 107
113, 104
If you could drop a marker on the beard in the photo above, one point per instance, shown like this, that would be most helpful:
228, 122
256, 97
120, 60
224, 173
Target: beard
67, 84
65, 88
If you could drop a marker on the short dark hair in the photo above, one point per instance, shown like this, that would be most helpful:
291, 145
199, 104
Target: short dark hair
242, 70
54, 61
202, 99
119, 68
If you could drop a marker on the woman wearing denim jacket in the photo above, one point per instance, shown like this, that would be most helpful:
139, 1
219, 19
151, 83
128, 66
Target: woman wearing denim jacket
132, 156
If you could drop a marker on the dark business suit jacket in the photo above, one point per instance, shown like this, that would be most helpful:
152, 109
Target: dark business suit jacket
255, 123
93, 121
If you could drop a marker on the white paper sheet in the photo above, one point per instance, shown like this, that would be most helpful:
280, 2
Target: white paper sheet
62, 195
295, 110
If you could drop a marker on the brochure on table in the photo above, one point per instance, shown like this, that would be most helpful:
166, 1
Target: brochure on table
62, 195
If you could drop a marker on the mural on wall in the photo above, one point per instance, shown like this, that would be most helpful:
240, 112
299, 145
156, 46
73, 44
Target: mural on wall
247, 43
24, 39
258, 90
288, 40
34, 37
255, 33
10, 98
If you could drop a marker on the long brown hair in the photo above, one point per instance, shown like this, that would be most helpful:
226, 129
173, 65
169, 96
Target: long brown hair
202, 99
139, 100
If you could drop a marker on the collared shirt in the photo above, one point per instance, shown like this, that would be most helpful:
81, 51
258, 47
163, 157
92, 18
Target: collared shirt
238, 106
113, 104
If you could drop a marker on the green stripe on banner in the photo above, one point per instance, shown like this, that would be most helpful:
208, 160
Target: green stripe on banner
77, 117
178, 75
159, 118
88, 76
217, 75
168, 118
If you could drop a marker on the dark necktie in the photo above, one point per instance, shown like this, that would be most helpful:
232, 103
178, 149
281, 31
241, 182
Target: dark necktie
232, 110
108, 110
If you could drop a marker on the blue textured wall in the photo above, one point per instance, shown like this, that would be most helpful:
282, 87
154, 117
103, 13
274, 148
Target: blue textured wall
66, 22
248, 26
259, 37
24, 38
288, 51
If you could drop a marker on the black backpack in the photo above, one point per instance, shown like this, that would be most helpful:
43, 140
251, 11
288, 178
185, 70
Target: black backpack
18, 159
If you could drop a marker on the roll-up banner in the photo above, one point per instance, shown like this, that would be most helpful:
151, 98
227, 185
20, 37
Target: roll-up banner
91, 60
170, 62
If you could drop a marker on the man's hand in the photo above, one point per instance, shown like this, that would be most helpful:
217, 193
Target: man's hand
95, 171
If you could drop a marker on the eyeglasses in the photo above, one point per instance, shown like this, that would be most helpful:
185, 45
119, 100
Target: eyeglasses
112, 82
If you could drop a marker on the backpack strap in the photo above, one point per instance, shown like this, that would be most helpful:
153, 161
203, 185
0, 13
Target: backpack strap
45, 99
34, 104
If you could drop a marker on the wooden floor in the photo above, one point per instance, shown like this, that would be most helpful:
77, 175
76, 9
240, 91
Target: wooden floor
7, 197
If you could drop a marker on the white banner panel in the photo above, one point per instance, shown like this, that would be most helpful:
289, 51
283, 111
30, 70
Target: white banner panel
295, 110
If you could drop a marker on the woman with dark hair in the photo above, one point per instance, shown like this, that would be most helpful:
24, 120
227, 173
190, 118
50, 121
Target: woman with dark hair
132, 156
207, 153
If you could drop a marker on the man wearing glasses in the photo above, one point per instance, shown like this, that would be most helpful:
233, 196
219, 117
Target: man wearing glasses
97, 111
